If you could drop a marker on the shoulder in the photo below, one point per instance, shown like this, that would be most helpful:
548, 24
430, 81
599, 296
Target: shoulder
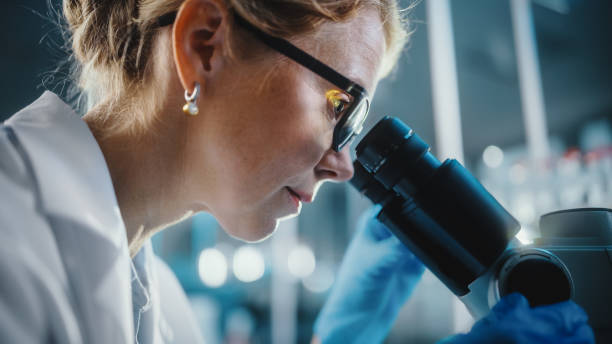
23, 223
13, 169
17, 207
18, 201
27, 250
33, 280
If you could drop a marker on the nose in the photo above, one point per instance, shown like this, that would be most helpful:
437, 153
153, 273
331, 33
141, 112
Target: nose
335, 166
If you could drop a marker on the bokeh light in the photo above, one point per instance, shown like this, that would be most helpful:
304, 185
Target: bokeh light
301, 261
212, 267
248, 264
493, 156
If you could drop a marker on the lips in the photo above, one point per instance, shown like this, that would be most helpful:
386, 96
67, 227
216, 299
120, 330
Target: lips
302, 196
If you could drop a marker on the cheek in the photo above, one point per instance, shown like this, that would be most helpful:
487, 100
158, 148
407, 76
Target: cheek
264, 150
254, 145
285, 131
303, 138
278, 154
253, 153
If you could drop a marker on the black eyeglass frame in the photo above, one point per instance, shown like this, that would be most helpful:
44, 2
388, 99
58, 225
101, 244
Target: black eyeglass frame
356, 91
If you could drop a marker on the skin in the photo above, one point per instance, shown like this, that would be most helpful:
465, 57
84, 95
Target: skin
264, 124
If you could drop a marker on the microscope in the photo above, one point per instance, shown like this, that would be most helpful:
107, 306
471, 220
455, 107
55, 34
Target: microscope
442, 213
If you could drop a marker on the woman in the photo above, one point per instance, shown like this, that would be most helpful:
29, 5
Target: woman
195, 105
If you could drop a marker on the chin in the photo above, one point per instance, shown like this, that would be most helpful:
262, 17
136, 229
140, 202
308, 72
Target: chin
253, 232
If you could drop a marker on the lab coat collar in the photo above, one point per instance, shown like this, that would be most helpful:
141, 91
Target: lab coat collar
76, 195
72, 175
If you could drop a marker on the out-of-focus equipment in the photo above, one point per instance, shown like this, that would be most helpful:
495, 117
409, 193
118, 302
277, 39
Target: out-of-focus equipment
466, 238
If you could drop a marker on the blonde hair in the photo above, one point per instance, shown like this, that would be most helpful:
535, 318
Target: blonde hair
113, 42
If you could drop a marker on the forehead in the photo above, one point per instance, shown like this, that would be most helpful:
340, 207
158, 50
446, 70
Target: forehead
353, 48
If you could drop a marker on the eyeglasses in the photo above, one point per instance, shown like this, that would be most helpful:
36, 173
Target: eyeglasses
353, 116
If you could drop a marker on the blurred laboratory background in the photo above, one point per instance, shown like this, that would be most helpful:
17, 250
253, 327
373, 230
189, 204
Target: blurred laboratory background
519, 91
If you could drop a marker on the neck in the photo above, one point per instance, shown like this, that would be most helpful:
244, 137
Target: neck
145, 168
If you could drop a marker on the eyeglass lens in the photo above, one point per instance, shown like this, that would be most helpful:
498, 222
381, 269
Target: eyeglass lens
353, 124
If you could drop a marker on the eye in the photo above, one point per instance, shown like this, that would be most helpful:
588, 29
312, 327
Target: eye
338, 106
338, 102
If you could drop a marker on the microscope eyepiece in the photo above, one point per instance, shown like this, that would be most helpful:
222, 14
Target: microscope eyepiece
437, 209
394, 154
467, 239
381, 141
366, 184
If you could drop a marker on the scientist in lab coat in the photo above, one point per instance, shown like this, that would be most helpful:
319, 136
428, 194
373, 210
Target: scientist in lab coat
197, 105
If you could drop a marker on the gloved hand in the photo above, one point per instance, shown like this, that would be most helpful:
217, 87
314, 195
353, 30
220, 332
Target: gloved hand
376, 277
512, 321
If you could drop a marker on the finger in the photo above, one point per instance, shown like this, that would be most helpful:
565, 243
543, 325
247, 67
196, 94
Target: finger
567, 316
582, 335
512, 303
535, 334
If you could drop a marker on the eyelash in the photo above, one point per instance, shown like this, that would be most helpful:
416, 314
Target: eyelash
335, 99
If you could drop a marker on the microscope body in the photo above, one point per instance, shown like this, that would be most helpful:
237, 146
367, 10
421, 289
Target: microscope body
466, 238
571, 260
582, 240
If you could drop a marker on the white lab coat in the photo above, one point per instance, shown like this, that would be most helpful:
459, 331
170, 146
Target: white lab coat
65, 271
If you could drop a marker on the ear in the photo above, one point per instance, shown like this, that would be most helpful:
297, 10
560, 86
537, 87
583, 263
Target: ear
198, 38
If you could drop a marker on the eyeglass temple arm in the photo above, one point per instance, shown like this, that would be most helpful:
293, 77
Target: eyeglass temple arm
285, 47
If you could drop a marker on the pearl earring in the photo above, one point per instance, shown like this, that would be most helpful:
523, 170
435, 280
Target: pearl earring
191, 107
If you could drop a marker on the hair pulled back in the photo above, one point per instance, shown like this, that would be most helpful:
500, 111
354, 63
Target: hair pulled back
112, 40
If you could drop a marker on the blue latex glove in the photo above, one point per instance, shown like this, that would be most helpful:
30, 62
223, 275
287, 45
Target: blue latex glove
377, 275
512, 321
